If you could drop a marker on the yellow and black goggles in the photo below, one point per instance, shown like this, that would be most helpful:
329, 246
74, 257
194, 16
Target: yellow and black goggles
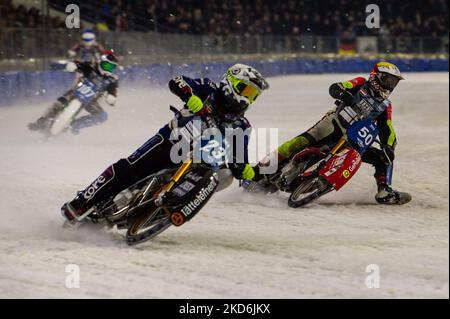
246, 90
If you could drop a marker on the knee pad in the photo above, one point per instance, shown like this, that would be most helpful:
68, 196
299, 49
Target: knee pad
293, 146
124, 171
147, 147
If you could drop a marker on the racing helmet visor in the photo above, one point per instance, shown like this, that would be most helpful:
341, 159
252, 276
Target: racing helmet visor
388, 81
108, 66
247, 90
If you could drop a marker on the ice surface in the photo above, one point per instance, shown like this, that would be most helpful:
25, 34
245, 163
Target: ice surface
239, 246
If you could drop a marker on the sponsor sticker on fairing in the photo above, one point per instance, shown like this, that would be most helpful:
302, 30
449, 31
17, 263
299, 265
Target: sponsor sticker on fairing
90, 191
200, 198
355, 163
339, 160
183, 188
101, 181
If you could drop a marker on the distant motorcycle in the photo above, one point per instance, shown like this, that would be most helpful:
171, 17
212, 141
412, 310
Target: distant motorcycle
84, 93
88, 87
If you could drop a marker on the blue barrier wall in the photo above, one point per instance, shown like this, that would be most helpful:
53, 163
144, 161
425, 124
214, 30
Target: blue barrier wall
34, 87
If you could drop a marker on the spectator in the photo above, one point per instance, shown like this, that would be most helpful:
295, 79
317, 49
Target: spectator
279, 17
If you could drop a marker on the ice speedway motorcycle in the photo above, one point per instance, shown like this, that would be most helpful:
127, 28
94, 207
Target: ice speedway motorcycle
85, 92
168, 197
316, 171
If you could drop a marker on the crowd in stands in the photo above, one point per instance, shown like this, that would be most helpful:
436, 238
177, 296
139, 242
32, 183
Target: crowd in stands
292, 17
224, 17
18, 16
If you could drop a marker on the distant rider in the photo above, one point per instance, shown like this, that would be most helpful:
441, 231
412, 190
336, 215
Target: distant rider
88, 49
103, 70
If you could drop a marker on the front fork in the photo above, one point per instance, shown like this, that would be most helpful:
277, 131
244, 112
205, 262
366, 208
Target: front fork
389, 171
175, 178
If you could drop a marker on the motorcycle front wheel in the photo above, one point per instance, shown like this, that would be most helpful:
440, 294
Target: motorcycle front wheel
151, 222
63, 120
308, 191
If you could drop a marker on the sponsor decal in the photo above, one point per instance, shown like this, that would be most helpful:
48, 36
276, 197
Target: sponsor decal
360, 143
90, 191
187, 186
339, 159
330, 172
145, 148
355, 163
200, 198
346, 174
183, 188
179, 192
107, 175
177, 219
194, 177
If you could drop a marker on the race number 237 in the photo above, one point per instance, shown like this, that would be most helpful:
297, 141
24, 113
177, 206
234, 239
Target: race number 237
364, 133
215, 149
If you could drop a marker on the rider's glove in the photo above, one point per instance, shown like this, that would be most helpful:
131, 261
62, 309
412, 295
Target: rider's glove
388, 154
71, 67
346, 97
71, 53
248, 172
111, 99
194, 104
242, 171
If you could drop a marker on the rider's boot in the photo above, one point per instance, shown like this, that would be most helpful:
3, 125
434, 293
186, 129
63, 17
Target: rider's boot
97, 116
266, 168
42, 122
39, 124
386, 195
75, 208
91, 196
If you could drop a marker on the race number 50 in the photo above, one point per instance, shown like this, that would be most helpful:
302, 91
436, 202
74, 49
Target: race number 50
364, 133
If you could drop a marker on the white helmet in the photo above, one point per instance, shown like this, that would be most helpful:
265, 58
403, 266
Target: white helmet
384, 78
88, 37
241, 85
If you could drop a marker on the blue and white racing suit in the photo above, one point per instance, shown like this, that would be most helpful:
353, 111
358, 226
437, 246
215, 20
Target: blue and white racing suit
154, 154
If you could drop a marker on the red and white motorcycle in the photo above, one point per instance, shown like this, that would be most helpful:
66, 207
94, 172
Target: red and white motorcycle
316, 171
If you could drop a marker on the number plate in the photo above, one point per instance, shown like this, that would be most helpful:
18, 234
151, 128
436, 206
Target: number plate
86, 92
362, 134
213, 152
